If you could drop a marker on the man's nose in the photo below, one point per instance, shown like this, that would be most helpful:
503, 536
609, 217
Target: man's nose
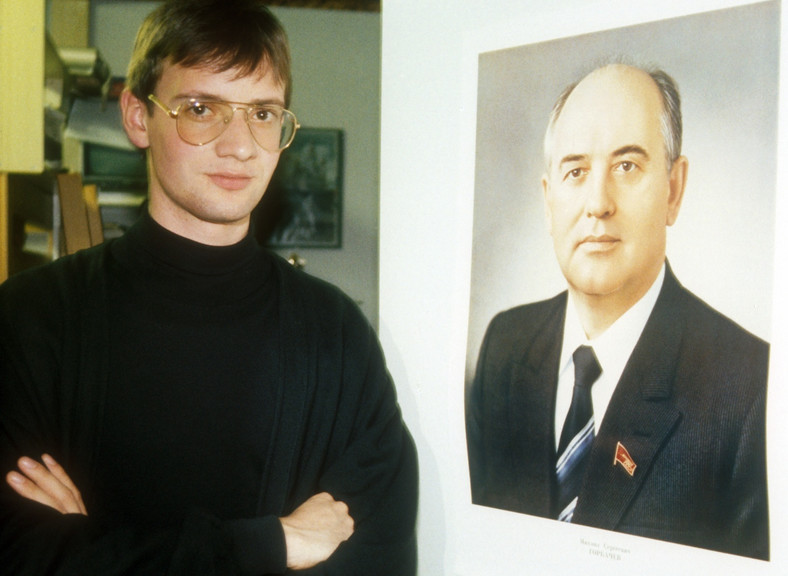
600, 199
237, 139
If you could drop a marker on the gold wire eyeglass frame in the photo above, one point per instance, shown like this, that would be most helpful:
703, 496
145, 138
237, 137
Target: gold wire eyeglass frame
288, 117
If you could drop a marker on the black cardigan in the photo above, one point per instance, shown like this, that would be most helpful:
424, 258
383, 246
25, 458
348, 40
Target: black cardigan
337, 428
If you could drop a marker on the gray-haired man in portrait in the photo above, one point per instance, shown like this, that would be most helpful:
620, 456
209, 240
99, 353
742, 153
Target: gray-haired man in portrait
624, 403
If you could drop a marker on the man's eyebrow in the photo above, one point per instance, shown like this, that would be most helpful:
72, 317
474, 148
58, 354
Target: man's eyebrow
208, 97
631, 149
195, 96
623, 151
269, 102
572, 158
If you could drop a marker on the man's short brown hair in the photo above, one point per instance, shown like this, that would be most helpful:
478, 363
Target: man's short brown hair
217, 34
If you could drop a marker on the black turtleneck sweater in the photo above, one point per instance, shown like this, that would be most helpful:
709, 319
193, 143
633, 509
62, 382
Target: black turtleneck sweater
192, 378
196, 394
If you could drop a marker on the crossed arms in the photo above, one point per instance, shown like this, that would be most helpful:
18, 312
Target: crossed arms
341, 434
313, 531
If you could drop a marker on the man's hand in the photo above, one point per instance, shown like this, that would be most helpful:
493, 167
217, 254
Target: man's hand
50, 486
315, 529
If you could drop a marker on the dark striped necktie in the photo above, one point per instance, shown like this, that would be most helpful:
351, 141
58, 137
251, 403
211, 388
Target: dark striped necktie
577, 435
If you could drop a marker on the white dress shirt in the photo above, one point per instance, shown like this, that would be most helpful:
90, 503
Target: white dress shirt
612, 348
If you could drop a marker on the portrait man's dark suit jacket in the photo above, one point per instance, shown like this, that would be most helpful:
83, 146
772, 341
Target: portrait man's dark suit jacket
689, 409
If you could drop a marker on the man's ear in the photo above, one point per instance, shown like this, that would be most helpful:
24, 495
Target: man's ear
134, 113
545, 196
678, 181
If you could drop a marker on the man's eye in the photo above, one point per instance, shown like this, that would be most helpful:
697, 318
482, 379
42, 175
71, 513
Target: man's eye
574, 174
626, 166
199, 111
263, 115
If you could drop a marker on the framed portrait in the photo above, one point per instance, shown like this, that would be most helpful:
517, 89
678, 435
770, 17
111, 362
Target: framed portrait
305, 195
726, 126
482, 211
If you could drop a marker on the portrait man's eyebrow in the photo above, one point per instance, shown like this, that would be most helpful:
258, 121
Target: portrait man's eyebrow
625, 402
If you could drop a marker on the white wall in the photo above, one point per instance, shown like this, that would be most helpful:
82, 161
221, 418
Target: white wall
428, 172
336, 73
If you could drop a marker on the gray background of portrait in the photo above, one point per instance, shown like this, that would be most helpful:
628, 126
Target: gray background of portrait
726, 64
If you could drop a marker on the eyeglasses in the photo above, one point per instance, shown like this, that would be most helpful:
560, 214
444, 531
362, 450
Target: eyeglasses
201, 121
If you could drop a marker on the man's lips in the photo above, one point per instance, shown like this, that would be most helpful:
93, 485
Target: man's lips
230, 181
600, 243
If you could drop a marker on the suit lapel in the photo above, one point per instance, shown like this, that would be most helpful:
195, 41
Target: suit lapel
641, 416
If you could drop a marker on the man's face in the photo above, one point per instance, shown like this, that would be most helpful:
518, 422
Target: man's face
608, 193
206, 192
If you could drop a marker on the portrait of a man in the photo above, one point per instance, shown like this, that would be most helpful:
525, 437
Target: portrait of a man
625, 402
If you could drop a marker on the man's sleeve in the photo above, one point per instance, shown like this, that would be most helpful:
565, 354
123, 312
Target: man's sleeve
372, 465
748, 506
474, 421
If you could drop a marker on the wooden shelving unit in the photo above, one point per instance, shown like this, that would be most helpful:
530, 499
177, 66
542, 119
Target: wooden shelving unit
22, 66
32, 104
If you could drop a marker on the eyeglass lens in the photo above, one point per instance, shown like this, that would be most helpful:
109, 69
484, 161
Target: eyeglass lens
272, 127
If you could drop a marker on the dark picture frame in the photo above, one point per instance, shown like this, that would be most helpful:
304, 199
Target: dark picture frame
303, 206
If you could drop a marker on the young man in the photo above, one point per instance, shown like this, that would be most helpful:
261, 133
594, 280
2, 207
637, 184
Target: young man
198, 406
665, 438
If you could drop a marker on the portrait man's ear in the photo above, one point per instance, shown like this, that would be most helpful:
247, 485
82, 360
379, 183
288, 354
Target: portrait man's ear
678, 182
135, 117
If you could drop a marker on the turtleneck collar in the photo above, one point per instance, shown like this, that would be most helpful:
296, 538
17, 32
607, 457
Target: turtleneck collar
172, 264
187, 255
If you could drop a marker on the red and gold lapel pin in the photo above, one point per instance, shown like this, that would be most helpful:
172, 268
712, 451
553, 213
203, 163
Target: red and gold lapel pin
622, 457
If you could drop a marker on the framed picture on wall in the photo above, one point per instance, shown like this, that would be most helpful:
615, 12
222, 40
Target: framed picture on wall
725, 64
303, 205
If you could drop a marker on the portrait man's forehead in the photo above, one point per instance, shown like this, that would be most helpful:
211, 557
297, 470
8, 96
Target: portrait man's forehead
669, 109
